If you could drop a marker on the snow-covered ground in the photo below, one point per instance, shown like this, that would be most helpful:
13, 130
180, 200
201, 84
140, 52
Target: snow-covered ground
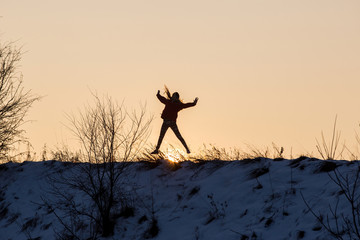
246, 199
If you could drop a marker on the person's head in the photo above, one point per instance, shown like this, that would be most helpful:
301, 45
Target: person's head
175, 96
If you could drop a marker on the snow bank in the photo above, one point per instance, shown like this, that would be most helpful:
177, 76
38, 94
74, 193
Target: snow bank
247, 199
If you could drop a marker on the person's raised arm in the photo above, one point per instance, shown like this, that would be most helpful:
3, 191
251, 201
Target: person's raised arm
186, 105
161, 98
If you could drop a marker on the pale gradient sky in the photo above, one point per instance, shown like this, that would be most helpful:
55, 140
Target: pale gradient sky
265, 70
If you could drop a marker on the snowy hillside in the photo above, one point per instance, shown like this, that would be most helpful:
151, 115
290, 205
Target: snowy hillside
247, 199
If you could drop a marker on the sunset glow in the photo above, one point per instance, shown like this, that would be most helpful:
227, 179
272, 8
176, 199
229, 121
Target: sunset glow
264, 71
174, 155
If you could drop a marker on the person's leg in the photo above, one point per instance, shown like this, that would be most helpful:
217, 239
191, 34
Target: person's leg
163, 130
175, 128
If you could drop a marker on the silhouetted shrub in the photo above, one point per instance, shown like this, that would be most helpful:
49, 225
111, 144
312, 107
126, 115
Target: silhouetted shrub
46, 226
268, 222
317, 228
217, 209
12, 218
296, 162
30, 224
110, 139
14, 100
127, 212
64, 154
244, 237
142, 219
3, 167
153, 229
251, 160
337, 224
194, 191
4, 210
255, 173
300, 234
149, 164
326, 166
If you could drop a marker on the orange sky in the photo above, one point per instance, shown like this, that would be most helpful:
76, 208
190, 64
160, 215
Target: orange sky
265, 71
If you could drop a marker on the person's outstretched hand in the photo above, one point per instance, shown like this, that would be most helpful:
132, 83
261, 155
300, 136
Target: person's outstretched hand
196, 100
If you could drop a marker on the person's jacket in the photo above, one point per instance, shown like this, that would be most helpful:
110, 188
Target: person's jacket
172, 108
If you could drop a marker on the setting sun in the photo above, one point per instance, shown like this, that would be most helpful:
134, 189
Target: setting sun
174, 155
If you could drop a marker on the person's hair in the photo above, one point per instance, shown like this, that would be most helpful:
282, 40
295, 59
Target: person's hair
167, 92
169, 95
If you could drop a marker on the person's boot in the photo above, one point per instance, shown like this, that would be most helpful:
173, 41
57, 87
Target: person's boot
156, 151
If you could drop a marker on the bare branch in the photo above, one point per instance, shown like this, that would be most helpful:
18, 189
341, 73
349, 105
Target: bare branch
14, 100
109, 138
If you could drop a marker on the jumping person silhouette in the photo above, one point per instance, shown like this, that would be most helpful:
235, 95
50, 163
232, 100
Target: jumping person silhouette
173, 105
